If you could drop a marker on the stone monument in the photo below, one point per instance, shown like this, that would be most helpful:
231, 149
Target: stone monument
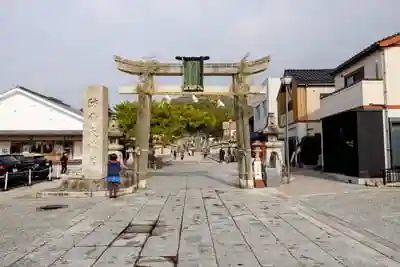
273, 159
95, 142
95, 133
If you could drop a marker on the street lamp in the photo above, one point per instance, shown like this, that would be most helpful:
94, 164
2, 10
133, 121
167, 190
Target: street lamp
286, 82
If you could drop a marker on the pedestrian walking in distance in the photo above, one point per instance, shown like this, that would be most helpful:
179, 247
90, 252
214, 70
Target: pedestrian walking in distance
64, 163
221, 155
182, 154
113, 175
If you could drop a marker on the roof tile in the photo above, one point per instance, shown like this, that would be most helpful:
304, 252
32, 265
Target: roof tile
311, 76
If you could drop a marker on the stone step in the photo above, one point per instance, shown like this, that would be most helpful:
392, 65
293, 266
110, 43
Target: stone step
273, 177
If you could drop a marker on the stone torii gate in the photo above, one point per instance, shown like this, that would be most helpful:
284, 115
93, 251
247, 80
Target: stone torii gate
239, 89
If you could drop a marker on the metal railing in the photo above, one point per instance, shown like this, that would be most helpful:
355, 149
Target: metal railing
391, 175
25, 176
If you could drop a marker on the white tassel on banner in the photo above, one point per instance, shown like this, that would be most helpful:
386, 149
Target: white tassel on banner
167, 99
220, 104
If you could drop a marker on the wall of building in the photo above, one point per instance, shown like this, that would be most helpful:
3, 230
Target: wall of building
272, 87
371, 70
259, 104
265, 103
50, 146
26, 114
381, 64
363, 93
370, 142
391, 57
353, 143
313, 100
306, 103
340, 153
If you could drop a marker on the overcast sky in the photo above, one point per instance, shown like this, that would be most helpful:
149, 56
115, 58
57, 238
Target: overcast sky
58, 47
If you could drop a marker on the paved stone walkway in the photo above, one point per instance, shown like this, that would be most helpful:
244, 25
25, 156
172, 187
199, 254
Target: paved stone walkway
192, 215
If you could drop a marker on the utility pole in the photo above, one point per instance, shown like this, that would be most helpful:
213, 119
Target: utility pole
286, 81
287, 156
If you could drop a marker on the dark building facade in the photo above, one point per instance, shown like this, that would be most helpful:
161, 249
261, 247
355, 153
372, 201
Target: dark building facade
353, 143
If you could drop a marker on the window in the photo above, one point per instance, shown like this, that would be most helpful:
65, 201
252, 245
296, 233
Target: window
264, 106
354, 77
47, 147
395, 143
36, 147
258, 112
7, 159
290, 105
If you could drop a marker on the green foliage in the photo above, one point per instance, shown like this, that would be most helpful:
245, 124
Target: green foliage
171, 121
126, 114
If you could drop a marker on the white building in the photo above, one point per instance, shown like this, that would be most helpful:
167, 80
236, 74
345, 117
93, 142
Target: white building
32, 122
265, 103
361, 118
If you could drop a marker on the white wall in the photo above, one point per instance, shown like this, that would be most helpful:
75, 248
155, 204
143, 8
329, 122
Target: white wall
265, 103
20, 112
363, 93
313, 100
381, 65
272, 85
391, 57
301, 129
370, 69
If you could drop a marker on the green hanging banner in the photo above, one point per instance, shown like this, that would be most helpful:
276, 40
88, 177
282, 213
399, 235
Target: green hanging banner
193, 73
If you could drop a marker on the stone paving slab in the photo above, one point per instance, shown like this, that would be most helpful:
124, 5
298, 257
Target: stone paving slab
118, 256
191, 224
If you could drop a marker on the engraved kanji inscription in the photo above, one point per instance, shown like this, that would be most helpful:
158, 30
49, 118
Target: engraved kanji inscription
93, 130
92, 102
92, 116
93, 160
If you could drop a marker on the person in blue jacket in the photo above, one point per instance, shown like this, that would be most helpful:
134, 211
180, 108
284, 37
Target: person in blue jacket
113, 175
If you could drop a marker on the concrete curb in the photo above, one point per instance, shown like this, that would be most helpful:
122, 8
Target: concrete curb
86, 194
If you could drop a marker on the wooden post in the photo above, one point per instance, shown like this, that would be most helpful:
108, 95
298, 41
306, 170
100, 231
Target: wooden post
239, 137
142, 138
246, 141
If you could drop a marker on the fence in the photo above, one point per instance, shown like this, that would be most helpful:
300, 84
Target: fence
26, 176
391, 175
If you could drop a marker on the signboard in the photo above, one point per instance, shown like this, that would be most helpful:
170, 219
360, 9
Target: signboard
193, 73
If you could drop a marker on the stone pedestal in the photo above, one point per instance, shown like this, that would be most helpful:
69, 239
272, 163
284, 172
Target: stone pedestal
257, 166
243, 183
273, 162
95, 133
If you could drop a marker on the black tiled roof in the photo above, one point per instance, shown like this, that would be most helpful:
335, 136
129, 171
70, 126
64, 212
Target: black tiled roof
53, 100
311, 76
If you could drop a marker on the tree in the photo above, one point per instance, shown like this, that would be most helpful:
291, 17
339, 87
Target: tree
170, 121
126, 113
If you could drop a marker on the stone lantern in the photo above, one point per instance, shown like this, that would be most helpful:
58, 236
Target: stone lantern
257, 165
273, 158
114, 134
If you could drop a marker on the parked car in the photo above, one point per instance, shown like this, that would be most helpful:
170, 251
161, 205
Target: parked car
9, 164
37, 163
